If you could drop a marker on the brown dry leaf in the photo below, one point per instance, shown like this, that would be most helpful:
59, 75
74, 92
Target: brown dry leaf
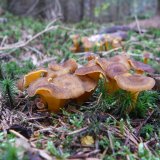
87, 140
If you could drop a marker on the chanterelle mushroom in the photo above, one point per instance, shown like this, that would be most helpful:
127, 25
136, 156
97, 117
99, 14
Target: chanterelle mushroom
30, 77
58, 90
120, 59
134, 84
55, 69
114, 69
91, 69
140, 67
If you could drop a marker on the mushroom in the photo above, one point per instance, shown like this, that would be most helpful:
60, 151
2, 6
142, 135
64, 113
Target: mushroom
90, 56
116, 43
30, 77
108, 41
55, 69
134, 84
113, 70
56, 92
140, 67
76, 41
88, 45
123, 58
146, 57
91, 70
89, 85
102, 62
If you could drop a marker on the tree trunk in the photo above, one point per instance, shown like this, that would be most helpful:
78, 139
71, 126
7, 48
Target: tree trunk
49, 9
158, 7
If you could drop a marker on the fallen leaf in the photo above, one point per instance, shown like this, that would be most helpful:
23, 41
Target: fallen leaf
87, 140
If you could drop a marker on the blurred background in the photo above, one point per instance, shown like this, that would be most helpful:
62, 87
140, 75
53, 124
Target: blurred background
78, 10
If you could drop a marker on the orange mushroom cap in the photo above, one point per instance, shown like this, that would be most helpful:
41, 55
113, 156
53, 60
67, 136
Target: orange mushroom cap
115, 69
134, 83
102, 62
63, 87
141, 67
91, 69
56, 91
31, 77
90, 56
120, 59
55, 69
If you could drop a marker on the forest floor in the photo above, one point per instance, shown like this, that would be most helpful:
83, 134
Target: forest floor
95, 130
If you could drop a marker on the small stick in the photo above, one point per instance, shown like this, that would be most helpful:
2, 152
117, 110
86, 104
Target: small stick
18, 134
77, 131
138, 26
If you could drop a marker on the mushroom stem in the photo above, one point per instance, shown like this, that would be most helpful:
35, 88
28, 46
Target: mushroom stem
53, 103
111, 86
145, 60
139, 72
134, 96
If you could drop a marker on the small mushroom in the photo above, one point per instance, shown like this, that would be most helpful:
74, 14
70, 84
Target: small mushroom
134, 84
140, 67
113, 70
108, 41
146, 56
88, 45
76, 42
116, 43
91, 70
30, 77
90, 56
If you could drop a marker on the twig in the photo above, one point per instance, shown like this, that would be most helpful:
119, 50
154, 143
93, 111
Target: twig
111, 143
77, 131
18, 134
143, 123
138, 26
85, 155
22, 44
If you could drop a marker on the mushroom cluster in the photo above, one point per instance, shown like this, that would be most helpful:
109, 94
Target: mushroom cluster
100, 42
59, 83
117, 73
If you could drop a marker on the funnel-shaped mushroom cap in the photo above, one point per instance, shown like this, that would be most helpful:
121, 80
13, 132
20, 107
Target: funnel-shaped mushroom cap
64, 68
115, 69
31, 77
147, 55
75, 38
56, 91
86, 43
91, 69
135, 83
102, 62
116, 43
108, 38
139, 66
120, 59
88, 83
63, 87
71, 64
91, 56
